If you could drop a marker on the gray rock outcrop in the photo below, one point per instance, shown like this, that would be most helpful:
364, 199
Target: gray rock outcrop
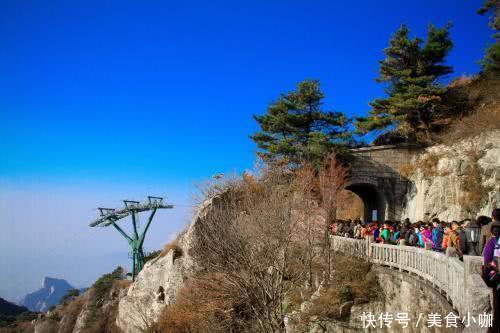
440, 178
398, 294
160, 280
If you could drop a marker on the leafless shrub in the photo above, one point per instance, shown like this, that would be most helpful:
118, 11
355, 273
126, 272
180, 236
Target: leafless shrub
352, 281
309, 227
484, 119
246, 241
103, 318
204, 304
332, 179
172, 246
480, 115
428, 164
407, 170
71, 312
460, 81
19, 327
260, 242
251, 246
214, 186
474, 192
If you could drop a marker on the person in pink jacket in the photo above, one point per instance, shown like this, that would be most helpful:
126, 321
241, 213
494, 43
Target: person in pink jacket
426, 236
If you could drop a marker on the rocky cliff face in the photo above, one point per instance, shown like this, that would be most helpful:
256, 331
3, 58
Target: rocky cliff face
398, 294
456, 181
157, 284
124, 306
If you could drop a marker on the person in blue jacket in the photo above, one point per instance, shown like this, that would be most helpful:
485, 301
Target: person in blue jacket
437, 234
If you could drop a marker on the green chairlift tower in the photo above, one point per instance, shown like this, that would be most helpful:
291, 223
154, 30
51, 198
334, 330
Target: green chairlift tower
110, 217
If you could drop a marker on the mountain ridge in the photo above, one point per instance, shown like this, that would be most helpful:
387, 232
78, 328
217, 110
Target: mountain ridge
10, 309
50, 293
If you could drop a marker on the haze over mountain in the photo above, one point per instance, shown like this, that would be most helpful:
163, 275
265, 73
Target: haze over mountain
49, 294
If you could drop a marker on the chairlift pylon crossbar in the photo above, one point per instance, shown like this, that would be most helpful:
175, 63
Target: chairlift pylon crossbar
109, 216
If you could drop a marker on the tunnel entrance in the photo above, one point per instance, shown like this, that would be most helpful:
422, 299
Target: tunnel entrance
350, 206
373, 201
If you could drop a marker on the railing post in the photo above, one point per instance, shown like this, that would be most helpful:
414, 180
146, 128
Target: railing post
476, 293
368, 247
451, 252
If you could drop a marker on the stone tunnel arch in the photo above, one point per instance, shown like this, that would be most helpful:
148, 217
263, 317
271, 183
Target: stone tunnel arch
374, 201
375, 177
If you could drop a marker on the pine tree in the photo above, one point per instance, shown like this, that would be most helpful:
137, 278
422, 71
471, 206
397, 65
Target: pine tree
491, 60
297, 129
411, 70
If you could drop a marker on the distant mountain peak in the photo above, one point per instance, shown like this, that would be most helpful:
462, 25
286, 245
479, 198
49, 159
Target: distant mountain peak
48, 282
49, 294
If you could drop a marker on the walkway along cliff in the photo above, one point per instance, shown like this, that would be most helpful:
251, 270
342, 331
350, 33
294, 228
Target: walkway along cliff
459, 282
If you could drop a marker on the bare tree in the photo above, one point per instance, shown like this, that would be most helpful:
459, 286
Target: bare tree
247, 240
332, 179
258, 243
309, 223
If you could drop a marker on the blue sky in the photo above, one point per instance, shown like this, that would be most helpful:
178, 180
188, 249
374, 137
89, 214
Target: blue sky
103, 100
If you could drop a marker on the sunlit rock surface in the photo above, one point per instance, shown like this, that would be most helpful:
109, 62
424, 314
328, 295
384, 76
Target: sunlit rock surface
401, 294
438, 192
143, 303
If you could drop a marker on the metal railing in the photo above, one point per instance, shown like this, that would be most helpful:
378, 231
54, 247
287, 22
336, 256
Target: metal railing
447, 274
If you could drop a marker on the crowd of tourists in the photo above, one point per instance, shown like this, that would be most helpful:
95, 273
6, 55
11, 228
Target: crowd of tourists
466, 237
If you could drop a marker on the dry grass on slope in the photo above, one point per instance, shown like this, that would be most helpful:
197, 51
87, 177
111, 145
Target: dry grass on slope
172, 246
352, 281
205, 304
484, 94
22, 327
